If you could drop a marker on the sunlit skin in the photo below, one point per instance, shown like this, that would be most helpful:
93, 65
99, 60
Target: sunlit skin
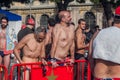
33, 48
6, 57
63, 38
80, 38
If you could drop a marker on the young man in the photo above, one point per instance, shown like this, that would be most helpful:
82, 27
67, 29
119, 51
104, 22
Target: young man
106, 51
81, 46
3, 40
33, 46
80, 38
63, 39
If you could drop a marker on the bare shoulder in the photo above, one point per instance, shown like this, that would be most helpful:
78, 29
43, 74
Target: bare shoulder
72, 27
78, 31
57, 28
27, 37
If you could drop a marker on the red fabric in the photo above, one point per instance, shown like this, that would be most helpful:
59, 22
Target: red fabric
31, 21
23, 26
60, 73
36, 74
117, 10
7, 51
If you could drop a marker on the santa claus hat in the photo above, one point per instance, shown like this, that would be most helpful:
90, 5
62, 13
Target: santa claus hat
117, 12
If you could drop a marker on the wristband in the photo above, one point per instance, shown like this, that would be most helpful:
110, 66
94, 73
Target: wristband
53, 60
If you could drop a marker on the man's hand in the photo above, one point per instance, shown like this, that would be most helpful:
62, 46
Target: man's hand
44, 62
70, 60
54, 63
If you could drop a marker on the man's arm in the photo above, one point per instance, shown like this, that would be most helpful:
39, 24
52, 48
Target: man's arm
80, 42
56, 33
47, 39
19, 46
42, 53
72, 49
91, 44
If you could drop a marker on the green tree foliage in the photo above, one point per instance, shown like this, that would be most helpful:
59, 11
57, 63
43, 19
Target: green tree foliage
62, 4
114, 3
107, 6
5, 3
95, 1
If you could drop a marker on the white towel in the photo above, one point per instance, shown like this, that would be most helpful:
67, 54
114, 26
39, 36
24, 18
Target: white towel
106, 45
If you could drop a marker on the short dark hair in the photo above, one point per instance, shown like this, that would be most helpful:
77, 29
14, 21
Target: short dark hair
4, 17
51, 22
80, 20
116, 21
40, 29
97, 26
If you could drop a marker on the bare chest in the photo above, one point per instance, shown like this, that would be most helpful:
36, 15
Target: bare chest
81, 35
34, 46
66, 35
2, 34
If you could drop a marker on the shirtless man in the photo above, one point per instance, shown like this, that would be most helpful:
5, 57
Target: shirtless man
3, 28
106, 51
80, 39
63, 39
4, 57
33, 48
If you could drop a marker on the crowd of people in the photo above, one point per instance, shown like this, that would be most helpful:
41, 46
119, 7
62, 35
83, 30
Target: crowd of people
62, 42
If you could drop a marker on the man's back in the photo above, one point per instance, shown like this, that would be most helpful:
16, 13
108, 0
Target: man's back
24, 32
106, 50
106, 69
107, 45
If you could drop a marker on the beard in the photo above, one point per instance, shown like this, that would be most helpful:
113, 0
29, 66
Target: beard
68, 23
33, 29
3, 26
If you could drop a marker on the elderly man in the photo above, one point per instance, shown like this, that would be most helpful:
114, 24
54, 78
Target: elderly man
33, 46
63, 39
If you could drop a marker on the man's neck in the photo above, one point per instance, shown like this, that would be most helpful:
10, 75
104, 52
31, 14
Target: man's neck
29, 26
63, 24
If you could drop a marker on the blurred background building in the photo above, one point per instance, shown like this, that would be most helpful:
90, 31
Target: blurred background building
41, 10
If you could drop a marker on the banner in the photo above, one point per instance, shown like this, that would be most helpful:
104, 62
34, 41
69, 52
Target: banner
58, 73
